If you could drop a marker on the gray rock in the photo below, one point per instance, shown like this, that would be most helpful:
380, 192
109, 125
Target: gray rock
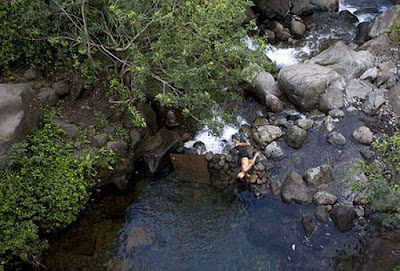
370, 74
19, 115
361, 33
328, 124
61, 88
379, 46
119, 147
358, 89
336, 139
299, 6
273, 103
100, 140
388, 66
360, 199
297, 28
295, 137
305, 124
322, 214
344, 60
304, 83
324, 198
273, 150
384, 21
319, 175
281, 33
47, 96
373, 102
331, 99
275, 186
342, 216
70, 129
294, 190
359, 210
393, 97
308, 225
209, 156
363, 135
266, 134
325, 5
264, 84
336, 113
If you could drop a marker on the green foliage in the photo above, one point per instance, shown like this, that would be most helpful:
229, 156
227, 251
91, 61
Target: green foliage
383, 185
394, 30
42, 189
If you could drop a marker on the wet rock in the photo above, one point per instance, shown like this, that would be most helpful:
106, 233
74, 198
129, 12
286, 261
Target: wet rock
297, 28
308, 225
347, 20
331, 99
200, 146
322, 214
384, 21
299, 6
119, 147
373, 102
319, 175
328, 124
295, 190
358, 89
32, 74
139, 238
360, 199
266, 134
305, 124
361, 33
368, 155
336, 113
47, 96
342, 216
77, 87
259, 189
359, 211
273, 150
275, 186
209, 156
336, 139
61, 88
324, 198
249, 15
136, 138
344, 60
295, 137
363, 135
305, 93
19, 115
281, 33
70, 129
273, 103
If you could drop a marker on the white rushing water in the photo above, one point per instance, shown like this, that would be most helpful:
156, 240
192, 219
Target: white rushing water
353, 7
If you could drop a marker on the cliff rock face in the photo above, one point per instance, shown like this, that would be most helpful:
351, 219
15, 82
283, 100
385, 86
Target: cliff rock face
19, 115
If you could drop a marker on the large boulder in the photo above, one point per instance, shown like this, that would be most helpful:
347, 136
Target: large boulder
304, 83
295, 190
358, 89
264, 84
344, 60
331, 99
19, 115
273, 7
342, 216
265, 134
273, 103
384, 21
379, 46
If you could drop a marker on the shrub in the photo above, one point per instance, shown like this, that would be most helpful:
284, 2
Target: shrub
42, 189
383, 185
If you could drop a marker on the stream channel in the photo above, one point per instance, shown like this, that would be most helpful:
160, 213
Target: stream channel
162, 223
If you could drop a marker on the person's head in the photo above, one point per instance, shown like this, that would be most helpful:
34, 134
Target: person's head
239, 138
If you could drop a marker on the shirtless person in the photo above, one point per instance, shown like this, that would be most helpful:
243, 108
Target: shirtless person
245, 162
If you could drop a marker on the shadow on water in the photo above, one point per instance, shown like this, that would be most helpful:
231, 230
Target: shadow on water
185, 226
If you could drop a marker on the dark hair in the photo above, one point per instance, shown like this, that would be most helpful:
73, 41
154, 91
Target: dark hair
239, 137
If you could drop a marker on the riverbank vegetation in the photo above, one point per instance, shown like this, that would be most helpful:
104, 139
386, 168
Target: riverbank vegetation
192, 50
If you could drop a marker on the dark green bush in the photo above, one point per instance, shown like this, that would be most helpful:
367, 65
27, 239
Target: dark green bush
42, 189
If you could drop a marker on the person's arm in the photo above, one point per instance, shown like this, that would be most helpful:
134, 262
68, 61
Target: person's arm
247, 143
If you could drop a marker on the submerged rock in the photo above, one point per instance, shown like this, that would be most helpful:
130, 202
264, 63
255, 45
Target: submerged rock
139, 238
308, 225
322, 214
319, 175
337, 139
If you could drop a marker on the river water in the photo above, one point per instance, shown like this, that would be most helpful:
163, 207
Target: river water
166, 224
